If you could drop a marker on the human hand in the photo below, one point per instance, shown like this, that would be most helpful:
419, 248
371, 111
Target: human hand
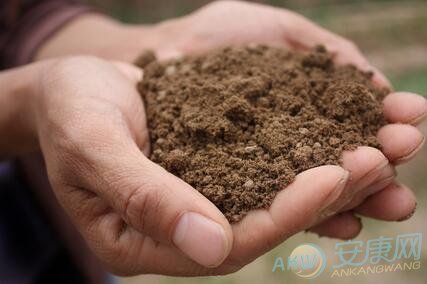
372, 173
225, 23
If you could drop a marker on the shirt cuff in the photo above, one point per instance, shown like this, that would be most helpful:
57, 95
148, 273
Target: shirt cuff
37, 26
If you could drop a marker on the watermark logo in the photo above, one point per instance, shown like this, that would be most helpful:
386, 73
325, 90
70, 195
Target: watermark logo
307, 261
379, 255
356, 257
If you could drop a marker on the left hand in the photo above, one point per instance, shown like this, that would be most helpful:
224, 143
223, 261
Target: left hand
237, 23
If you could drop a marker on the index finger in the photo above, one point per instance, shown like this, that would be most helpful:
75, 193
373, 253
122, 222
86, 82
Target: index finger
343, 50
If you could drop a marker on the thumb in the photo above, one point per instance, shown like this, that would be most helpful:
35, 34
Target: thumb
87, 127
162, 206
131, 72
166, 208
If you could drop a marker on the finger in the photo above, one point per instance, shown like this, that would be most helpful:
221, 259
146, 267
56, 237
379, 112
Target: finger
385, 178
394, 203
132, 72
365, 165
400, 142
343, 50
294, 209
404, 107
342, 226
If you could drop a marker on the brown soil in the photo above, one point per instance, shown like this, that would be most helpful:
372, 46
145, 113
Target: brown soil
239, 123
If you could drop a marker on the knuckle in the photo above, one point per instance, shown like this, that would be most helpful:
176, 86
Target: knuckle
143, 205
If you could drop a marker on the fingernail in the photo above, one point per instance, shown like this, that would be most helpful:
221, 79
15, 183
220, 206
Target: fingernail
420, 118
411, 153
333, 196
407, 217
380, 80
379, 185
371, 176
201, 239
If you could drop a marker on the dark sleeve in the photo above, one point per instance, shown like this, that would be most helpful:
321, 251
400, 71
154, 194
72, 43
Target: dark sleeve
26, 24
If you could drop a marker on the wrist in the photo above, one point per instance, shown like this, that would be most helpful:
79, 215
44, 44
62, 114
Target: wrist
101, 36
17, 119
89, 34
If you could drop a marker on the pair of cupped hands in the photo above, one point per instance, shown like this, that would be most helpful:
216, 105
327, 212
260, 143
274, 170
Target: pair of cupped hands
137, 218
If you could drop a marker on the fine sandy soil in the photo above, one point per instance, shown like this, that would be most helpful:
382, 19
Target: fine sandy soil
239, 123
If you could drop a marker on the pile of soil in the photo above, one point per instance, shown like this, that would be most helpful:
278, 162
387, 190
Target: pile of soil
239, 123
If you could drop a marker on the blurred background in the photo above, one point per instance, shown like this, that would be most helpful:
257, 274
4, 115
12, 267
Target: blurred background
393, 35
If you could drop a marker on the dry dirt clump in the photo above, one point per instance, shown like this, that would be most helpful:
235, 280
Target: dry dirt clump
239, 123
